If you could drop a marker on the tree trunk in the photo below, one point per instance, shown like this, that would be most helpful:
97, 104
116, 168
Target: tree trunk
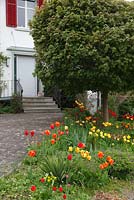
105, 106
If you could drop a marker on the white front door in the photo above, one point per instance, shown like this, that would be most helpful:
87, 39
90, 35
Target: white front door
25, 68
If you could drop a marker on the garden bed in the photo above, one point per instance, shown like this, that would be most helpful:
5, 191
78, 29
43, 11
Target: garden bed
77, 158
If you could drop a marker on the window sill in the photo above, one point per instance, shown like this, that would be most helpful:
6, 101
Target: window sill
22, 29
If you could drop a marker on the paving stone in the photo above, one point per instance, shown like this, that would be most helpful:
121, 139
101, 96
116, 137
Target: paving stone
12, 141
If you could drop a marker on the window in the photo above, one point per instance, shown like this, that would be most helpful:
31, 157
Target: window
25, 12
19, 12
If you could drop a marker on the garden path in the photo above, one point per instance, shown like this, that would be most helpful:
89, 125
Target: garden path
12, 140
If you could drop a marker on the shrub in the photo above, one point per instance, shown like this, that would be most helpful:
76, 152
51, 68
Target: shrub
6, 109
127, 106
16, 103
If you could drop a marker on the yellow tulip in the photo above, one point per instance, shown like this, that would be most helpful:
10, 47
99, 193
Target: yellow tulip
70, 149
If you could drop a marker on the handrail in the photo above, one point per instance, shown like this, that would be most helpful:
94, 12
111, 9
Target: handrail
9, 88
57, 96
55, 92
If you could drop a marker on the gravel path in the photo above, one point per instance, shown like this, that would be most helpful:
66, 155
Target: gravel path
12, 140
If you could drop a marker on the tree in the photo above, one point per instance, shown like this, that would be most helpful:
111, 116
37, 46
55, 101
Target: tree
85, 45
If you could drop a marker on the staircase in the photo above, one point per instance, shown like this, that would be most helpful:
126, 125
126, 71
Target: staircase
39, 105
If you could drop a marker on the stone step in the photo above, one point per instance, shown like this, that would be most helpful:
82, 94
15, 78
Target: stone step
40, 105
37, 99
45, 110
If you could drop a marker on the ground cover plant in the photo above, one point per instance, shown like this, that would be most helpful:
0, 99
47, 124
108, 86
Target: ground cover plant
80, 157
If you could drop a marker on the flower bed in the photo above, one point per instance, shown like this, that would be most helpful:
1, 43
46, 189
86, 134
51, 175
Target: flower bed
73, 157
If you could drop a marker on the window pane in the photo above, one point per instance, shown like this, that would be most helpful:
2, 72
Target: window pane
21, 3
21, 17
31, 4
30, 14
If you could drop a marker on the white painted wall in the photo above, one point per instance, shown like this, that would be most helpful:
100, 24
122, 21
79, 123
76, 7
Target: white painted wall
10, 36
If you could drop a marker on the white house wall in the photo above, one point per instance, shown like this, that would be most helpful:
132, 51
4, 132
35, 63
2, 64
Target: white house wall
11, 37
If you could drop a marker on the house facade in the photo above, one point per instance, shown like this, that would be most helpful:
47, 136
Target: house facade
17, 45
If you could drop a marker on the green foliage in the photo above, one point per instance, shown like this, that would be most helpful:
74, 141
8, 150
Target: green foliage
87, 174
16, 103
123, 166
6, 109
113, 102
57, 166
77, 41
127, 106
2, 83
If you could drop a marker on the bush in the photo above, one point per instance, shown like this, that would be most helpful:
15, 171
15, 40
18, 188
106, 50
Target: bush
16, 103
127, 106
6, 109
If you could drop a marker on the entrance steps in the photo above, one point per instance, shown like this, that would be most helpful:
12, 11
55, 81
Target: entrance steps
39, 105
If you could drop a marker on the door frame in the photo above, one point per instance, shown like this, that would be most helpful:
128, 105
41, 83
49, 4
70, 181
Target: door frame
19, 51
16, 57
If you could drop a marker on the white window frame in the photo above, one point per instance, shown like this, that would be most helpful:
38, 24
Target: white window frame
26, 8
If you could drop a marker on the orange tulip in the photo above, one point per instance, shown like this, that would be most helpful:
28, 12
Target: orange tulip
54, 135
100, 154
101, 166
52, 141
47, 132
105, 164
57, 124
32, 153
108, 158
111, 161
